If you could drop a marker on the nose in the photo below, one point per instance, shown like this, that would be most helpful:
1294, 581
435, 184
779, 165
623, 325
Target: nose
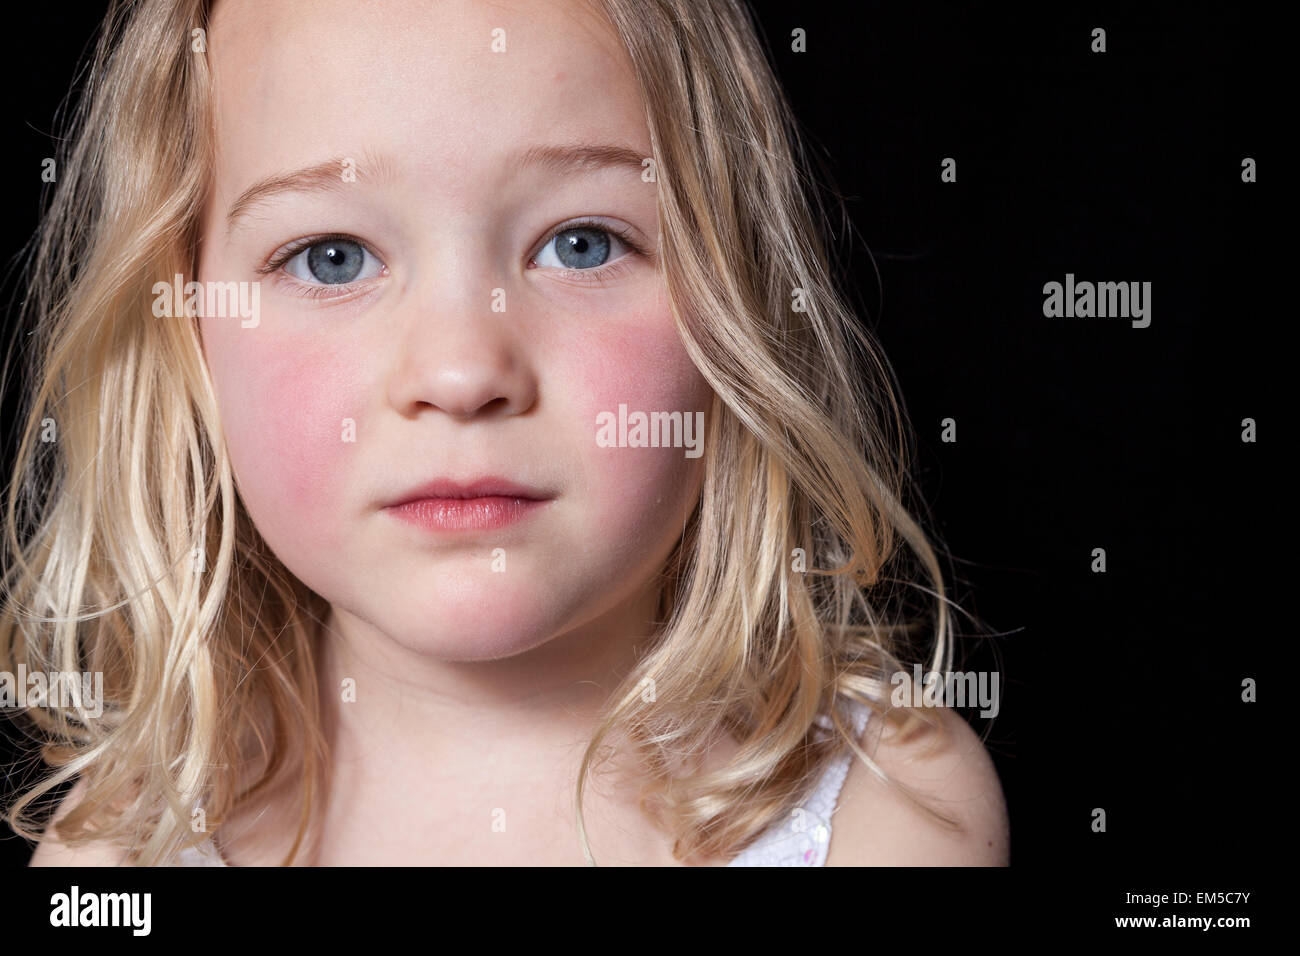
459, 356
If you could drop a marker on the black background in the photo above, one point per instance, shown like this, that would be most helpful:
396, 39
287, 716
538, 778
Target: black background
1123, 689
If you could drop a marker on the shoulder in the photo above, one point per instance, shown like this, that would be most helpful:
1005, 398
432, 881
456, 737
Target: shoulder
876, 825
51, 852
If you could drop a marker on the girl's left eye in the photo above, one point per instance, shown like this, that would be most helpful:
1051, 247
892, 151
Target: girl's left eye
584, 247
333, 262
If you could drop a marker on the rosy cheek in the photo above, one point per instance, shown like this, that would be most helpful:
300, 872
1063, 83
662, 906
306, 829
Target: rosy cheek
639, 362
291, 435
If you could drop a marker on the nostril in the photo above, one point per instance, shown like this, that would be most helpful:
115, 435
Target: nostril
470, 409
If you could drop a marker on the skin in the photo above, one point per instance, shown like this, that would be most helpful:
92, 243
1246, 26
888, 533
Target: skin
475, 690
460, 670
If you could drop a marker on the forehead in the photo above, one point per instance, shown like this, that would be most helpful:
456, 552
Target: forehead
448, 87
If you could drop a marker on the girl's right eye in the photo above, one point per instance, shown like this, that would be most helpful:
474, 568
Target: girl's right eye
335, 261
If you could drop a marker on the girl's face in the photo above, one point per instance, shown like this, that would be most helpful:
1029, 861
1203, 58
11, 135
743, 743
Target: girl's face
393, 177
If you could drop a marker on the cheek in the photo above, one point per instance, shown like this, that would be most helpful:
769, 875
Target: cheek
644, 366
286, 411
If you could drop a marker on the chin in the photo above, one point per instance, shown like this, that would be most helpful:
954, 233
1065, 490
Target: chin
477, 641
470, 621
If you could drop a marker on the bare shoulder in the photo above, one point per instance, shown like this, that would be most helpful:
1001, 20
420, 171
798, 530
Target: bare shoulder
876, 825
51, 852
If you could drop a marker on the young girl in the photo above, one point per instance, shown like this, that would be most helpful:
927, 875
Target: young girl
450, 447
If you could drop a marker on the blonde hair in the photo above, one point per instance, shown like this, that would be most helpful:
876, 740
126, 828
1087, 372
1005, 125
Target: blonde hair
205, 706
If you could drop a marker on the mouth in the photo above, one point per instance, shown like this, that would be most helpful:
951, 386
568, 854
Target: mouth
484, 504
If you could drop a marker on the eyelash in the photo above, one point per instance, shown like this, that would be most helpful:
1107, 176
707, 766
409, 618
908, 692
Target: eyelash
598, 274
306, 289
602, 272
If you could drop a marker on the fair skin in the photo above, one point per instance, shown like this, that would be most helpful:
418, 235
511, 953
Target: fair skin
469, 681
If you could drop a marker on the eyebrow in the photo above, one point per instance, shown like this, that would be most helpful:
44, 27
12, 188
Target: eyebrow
579, 158
327, 176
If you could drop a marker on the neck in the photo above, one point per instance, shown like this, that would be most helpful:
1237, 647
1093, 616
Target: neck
439, 745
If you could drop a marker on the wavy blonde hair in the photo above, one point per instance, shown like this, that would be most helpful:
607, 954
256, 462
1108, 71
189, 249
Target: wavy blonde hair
209, 706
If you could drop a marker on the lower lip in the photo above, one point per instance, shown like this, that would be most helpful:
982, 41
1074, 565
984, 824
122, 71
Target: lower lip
466, 514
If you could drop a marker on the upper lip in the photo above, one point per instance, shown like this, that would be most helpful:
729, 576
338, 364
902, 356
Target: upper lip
487, 487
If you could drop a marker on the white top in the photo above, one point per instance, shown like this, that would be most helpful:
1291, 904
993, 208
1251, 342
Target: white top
804, 840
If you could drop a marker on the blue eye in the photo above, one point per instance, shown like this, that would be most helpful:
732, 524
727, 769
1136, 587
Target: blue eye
333, 262
580, 247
